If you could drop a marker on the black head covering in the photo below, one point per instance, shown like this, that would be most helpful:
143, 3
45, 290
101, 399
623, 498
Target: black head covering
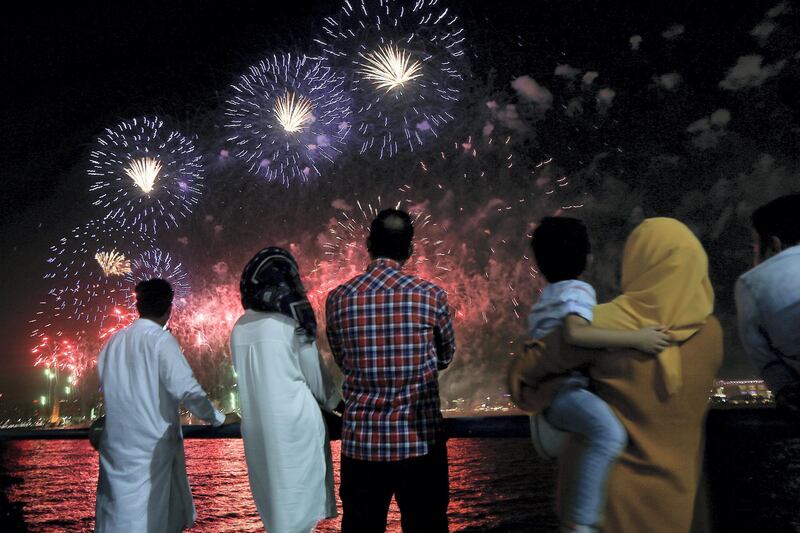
271, 283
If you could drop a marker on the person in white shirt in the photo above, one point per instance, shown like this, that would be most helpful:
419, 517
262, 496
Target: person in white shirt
283, 385
562, 251
142, 486
768, 300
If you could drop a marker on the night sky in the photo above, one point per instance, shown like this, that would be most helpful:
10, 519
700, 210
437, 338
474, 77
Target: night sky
71, 70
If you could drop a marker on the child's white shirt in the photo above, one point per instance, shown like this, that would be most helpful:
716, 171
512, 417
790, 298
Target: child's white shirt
570, 297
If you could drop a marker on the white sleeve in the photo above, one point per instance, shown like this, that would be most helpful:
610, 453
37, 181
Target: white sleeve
176, 376
316, 375
579, 299
101, 363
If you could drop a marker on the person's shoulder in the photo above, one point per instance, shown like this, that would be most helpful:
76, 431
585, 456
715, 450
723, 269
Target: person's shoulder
348, 287
158, 337
789, 258
146, 329
268, 325
415, 283
757, 272
164, 337
573, 290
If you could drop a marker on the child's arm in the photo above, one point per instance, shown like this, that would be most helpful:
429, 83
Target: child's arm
579, 332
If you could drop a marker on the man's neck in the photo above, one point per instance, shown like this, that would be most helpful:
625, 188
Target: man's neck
161, 321
389, 260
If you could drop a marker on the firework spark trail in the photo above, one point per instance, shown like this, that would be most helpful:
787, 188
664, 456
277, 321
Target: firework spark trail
144, 172
118, 319
156, 263
204, 324
203, 327
113, 263
62, 354
389, 68
407, 66
148, 176
86, 271
287, 116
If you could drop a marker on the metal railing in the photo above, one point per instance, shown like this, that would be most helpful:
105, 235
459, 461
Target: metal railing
723, 424
514, 426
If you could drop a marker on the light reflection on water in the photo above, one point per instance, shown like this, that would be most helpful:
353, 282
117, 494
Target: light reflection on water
495, 485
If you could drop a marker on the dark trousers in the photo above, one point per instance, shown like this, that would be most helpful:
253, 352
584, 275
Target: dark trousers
421, 486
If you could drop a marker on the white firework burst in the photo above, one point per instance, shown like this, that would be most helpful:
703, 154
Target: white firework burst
288, 116
148, 176
407, 65
156, 263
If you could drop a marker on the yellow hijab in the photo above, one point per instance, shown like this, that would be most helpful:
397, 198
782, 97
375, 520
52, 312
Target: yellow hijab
664, 281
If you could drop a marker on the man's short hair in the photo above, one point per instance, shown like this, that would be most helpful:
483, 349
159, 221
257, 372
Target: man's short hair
390, 235
779, 218
153, 297
560, 246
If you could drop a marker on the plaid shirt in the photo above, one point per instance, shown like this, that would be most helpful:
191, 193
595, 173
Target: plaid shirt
390, 333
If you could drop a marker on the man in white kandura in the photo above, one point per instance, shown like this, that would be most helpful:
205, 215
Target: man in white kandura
142, 485
283, 385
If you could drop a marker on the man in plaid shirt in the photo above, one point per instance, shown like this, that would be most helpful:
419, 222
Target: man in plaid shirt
391, 334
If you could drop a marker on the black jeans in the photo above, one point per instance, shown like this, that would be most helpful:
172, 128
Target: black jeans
421, 486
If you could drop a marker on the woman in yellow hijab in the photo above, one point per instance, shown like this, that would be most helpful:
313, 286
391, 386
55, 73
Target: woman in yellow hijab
662, 402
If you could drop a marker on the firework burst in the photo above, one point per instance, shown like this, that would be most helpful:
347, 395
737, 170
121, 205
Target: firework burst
148, 176
287, 116
389, 68
87, 269
118, 319
156, 263
113, 263
64, 355
407, 62
433, 258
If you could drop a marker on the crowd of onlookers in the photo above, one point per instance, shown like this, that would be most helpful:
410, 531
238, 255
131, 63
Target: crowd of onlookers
618, 391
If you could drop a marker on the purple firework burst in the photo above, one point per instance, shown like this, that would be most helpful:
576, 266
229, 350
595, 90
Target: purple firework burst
148, 175
406, 63
287, 116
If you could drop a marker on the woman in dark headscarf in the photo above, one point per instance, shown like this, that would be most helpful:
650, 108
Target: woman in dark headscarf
282, 385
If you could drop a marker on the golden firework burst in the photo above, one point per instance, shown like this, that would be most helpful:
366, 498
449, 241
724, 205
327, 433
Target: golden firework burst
113, 263
293, 112
144, 172
389, 67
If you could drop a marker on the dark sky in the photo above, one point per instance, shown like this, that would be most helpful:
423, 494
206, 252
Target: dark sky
71, 69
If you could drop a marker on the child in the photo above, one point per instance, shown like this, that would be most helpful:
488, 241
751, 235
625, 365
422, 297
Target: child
561, 248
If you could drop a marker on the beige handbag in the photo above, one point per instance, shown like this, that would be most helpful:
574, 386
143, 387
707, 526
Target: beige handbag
547, 439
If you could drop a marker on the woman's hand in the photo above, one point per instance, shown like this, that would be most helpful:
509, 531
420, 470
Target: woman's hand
652, 340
